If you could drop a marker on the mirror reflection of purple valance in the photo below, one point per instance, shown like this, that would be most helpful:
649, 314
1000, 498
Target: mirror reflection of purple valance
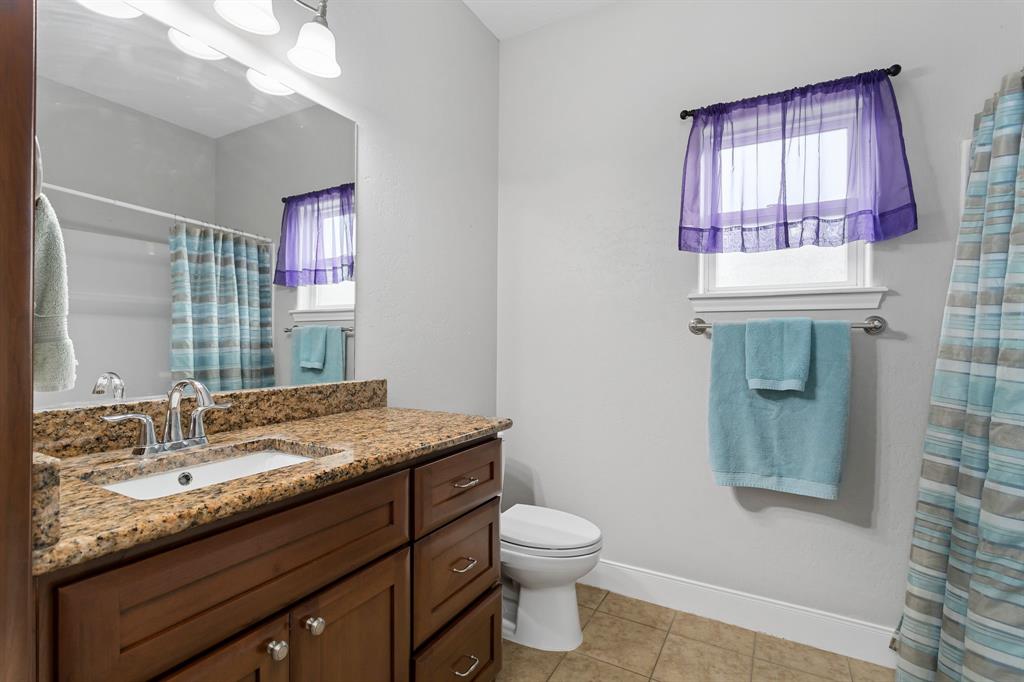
318, 238
821, 164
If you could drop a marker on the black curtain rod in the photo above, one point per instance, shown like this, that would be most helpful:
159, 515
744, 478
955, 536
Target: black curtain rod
893, 70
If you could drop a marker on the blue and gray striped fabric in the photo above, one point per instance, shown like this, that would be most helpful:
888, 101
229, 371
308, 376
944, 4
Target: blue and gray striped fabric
221, 323
963, 618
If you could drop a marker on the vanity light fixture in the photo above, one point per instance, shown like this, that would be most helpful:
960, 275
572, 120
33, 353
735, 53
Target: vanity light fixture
265, 83
111, 8
193, 47
314, 51
254, 16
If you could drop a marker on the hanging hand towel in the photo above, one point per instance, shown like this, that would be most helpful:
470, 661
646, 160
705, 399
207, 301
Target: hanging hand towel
778, 353
334, 360
53, 355
790, 441
312, 346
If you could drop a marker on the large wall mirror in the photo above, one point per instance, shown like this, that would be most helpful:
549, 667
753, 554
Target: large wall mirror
207, 214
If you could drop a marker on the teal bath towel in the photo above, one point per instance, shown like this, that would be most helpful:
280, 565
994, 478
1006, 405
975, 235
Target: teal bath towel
791, 441
334, 359
778, 353
312, 346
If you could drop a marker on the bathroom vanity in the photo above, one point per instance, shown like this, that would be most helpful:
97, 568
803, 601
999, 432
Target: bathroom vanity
375, 559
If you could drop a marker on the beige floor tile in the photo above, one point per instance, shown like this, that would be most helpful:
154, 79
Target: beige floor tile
585, 614
686, 660
577, 668
869, 672
769, 672
801, 657
622, 643
523, 664
638, 611
714, 632
589, 596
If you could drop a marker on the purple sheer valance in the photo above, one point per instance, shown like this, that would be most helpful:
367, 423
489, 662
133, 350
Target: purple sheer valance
318, 239
822, 164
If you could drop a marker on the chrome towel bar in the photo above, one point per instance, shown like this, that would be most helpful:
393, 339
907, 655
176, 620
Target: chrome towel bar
873, 325
349, 331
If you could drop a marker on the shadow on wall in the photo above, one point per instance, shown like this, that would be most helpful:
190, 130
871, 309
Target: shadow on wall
856, 502
520, 485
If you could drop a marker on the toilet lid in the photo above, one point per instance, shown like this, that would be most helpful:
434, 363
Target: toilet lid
544, 528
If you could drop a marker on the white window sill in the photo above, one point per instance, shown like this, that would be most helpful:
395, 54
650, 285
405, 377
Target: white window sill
341, 314
853, 298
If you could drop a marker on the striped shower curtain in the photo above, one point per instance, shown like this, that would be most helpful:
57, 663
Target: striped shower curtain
963, 617
221, 327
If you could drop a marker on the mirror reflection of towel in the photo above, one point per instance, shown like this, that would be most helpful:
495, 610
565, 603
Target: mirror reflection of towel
312, 346
333, 369
53, 354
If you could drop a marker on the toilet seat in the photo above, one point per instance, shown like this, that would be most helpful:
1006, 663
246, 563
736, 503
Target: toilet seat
540, 531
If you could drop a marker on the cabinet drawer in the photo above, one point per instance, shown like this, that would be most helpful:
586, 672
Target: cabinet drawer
449, 487
469, 650
244, 658
134, 622
452, 567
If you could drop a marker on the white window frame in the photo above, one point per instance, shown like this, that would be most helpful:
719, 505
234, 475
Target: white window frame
306, 302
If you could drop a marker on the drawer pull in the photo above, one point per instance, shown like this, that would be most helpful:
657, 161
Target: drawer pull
469, 671
315, 625
466, 482
278, 650
472, 562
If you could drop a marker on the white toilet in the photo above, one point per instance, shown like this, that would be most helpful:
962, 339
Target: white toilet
543, 553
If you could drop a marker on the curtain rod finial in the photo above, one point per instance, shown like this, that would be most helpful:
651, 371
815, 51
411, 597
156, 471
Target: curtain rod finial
894, 70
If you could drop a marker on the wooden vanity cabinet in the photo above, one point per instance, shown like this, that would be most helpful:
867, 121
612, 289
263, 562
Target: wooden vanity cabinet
341, 580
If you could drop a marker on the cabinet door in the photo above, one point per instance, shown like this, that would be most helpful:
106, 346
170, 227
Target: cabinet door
244, 659
364, 633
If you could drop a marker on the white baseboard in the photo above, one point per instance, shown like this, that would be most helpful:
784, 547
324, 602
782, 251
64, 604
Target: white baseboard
829, 631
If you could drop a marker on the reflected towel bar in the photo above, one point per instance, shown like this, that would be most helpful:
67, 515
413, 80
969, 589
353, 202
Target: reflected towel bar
349, 331
873, 325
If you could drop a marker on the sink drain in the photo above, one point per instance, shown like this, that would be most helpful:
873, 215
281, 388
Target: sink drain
185, 478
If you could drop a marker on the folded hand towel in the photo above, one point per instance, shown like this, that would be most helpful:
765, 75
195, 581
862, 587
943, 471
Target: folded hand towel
53, 354
791, 441
778, 353
312, 346
334, 360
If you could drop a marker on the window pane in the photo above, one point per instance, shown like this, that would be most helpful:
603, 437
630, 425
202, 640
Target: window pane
808, 266
340, 295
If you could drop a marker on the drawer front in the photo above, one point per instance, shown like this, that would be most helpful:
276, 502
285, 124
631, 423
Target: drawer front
452, 567
469, 650
245, 658
134, 622
449, 487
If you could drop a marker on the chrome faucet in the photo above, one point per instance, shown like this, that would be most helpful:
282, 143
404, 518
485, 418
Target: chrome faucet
109, 382
173, 440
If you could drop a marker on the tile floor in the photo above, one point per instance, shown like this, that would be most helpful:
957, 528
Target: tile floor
626, 640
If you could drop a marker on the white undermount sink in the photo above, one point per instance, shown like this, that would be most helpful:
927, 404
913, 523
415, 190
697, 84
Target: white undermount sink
186, 478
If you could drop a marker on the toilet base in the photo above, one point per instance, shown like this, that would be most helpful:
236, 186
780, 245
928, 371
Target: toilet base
546, 618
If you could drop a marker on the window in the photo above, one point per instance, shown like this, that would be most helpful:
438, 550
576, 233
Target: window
340, 296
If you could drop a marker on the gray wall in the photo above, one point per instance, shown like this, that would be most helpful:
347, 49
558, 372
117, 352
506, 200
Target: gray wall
301, 152
607, 387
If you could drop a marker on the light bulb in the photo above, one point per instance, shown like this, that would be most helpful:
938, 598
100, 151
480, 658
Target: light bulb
265, 83
314, 50
111, 8
255, 16
193, 47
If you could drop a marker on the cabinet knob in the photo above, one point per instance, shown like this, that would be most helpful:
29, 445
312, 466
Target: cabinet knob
315, 625
278, 650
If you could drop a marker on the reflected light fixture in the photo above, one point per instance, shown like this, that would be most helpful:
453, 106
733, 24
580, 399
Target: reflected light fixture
314, 50
265, 83
192, 46
254, 16
111, 8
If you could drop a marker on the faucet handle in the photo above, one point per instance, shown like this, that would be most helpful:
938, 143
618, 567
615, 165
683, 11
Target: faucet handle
197, 429
145, 442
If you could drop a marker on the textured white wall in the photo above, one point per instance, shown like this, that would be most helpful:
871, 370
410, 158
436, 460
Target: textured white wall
607, 388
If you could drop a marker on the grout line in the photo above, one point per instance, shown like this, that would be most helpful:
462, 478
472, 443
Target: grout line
662, 649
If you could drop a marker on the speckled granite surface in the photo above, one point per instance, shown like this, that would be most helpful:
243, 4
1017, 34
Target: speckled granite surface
66, 432
45, 500
344, 446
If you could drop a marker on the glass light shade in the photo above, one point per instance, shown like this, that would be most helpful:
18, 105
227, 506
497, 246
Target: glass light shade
265, 83
111, 8
254, 16
314, 51
192, 47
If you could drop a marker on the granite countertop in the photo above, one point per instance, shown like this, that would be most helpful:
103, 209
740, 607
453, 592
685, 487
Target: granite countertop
344, 446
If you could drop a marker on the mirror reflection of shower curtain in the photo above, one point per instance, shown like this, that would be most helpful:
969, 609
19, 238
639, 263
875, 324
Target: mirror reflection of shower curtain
221, 318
